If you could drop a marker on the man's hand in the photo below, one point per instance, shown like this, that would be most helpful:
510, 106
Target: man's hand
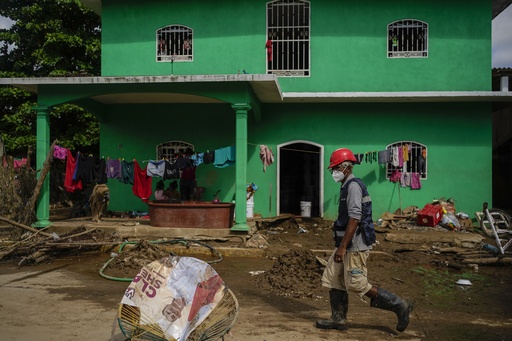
339, 256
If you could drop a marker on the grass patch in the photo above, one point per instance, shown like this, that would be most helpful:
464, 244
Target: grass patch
440, 283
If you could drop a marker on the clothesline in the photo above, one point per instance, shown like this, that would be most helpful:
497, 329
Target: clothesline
83, 170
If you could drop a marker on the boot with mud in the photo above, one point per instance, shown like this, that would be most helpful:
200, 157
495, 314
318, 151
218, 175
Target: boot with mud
389, 301
339, 308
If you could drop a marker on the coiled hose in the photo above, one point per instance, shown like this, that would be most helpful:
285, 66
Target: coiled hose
185, 242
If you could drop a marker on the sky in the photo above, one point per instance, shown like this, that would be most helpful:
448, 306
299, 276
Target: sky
501, 38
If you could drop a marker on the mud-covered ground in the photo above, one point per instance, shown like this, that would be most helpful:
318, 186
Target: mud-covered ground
280, 296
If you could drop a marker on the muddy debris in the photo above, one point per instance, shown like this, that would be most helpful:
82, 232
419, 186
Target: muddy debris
130, 261
40, 247
295, 273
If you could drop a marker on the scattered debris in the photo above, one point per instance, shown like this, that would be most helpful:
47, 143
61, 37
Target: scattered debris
463, 282
41, 247
257, 241
128, 263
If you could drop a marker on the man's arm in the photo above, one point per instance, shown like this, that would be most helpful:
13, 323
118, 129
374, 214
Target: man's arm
349, 234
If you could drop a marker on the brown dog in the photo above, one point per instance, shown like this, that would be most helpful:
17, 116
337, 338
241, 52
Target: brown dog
99, 201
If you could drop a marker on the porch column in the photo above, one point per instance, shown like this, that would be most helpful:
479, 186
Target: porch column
241, 167
42, 149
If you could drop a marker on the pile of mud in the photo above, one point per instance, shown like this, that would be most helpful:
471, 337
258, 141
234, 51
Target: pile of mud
130, 261
296, 273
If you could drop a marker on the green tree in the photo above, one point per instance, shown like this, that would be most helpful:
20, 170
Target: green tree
48, 38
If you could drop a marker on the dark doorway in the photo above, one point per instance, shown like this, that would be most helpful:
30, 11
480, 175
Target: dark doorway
299, 178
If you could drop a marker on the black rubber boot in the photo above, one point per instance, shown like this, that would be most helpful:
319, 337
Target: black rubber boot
339, 309
388, 301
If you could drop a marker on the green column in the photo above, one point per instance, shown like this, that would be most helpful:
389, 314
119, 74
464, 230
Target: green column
241, 167
42, 148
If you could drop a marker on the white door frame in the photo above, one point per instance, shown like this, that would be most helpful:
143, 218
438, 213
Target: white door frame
321, 172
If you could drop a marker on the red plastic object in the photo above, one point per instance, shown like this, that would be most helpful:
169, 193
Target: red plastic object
430, 215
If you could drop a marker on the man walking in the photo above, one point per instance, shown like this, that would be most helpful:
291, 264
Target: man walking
354, 235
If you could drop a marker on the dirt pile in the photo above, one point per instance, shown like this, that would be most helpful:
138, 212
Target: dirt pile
130, 261
295, 273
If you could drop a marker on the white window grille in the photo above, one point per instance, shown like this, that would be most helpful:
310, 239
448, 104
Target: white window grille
288, 34
171, 150
174, 43
415, 161
408, 39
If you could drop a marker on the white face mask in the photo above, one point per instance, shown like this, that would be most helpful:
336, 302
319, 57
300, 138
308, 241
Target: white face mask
338, 176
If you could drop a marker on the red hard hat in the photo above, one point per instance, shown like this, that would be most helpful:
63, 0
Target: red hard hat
341, 155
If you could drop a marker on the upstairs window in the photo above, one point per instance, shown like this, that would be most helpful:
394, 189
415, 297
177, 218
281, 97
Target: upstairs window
408, 39
413, 157
174, 43
172, 149
287, 47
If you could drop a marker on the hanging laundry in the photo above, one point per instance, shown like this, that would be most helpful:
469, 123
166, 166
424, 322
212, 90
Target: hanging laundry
156, 168
69, 184
224, 157
370, 157
91, 169
394, 156
415, 181
197, 159
85, 169
268, 46
127, 172
113, 168
421, 164
395, 176
171, 171
209, 157
75, 171
400, 157
266, 156
142, 183
405, 179
405, 153
82, 167
359, 158
59, 152
181, 162
384, 156
19, 163
100, 170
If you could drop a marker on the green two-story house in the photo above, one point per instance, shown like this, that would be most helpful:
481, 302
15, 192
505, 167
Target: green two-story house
300, 78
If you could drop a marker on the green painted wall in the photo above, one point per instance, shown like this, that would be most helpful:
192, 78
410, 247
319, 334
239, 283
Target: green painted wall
458, 138
134, 131
348, 42
348, 53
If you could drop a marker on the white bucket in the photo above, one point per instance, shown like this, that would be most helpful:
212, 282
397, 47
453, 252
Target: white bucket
305, 208
249, 210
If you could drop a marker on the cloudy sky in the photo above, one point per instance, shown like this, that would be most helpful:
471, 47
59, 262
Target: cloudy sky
501, 38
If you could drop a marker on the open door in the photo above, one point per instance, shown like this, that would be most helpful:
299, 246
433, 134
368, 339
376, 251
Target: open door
300, 178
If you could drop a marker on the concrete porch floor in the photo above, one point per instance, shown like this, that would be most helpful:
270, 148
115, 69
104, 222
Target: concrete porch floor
228, 243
